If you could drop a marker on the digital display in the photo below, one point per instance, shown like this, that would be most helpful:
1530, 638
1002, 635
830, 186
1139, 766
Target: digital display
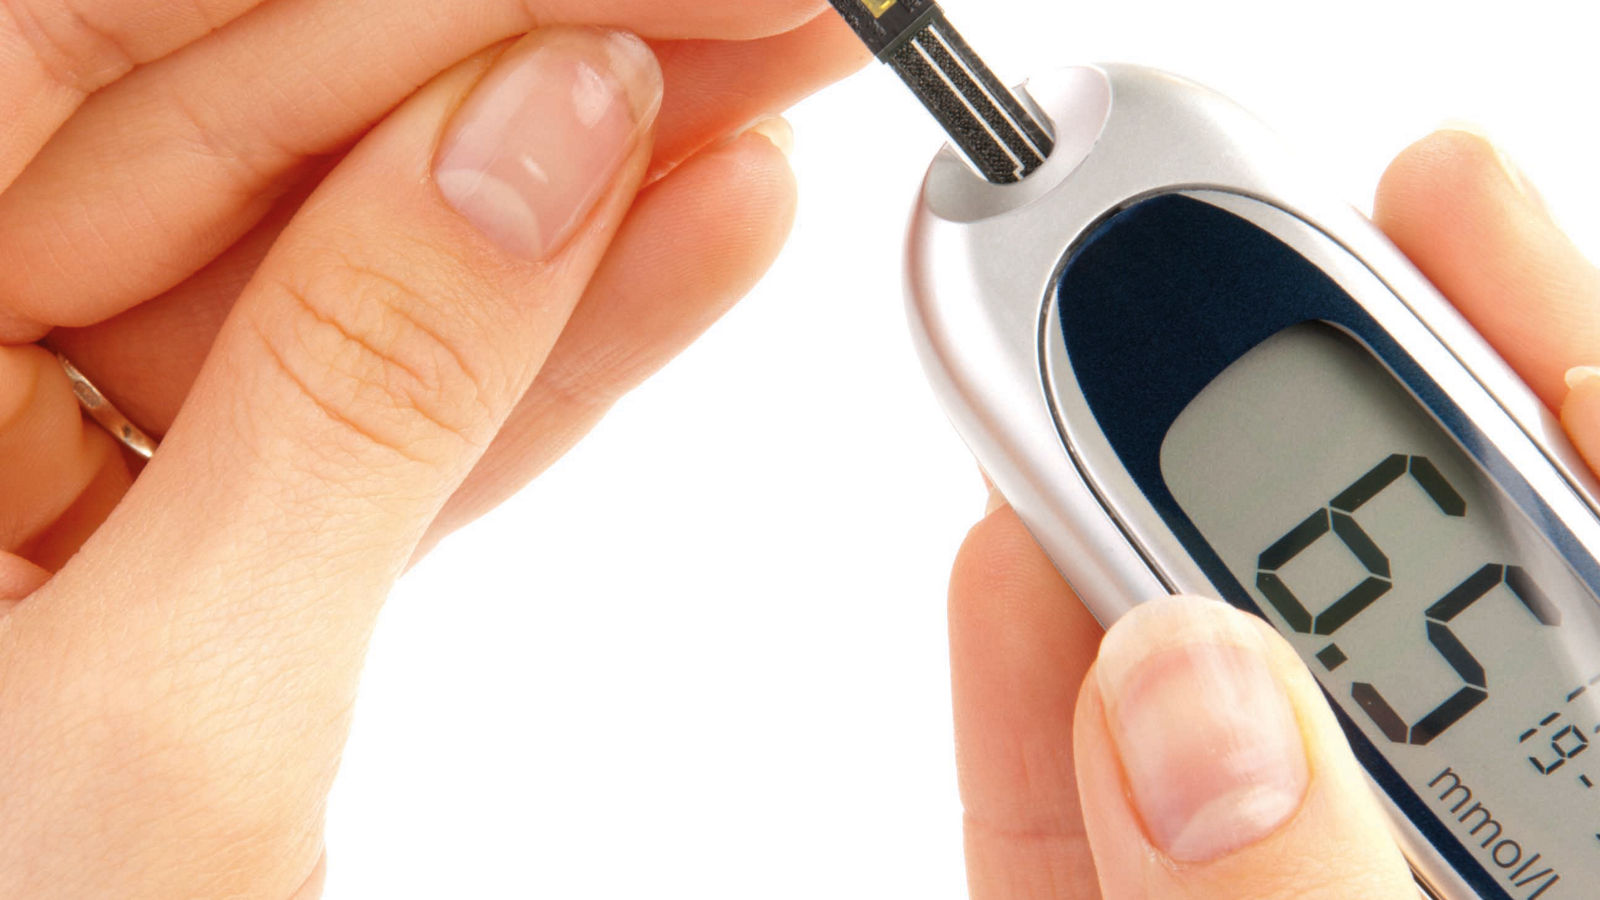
1431, 609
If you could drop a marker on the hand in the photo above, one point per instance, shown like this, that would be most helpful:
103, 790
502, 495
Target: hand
1072, 773
355, 326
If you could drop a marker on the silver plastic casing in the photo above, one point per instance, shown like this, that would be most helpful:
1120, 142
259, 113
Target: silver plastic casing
984, 263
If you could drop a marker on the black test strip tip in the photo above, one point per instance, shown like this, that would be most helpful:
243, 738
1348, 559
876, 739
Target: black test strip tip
985, 120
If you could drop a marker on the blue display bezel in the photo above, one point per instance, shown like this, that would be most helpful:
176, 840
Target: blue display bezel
1161, 298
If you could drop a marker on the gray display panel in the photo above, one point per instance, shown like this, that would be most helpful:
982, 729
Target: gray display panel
1428, 606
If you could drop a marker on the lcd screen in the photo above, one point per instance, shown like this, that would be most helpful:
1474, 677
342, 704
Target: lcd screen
1429, 606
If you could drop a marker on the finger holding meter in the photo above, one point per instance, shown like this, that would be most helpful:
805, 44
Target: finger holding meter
1192, 371
1211, 768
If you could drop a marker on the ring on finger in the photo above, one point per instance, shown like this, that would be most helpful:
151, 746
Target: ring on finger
105, 413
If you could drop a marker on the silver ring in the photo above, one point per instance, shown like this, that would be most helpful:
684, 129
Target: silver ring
107, 415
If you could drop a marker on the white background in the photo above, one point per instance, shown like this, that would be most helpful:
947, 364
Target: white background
705, 656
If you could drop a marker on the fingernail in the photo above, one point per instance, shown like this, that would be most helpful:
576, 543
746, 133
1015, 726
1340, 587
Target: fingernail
1207, 737
1513, 172
777, 130
1581, 375
541, 138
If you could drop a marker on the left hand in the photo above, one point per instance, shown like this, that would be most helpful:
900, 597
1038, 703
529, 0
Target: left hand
150, 161
367, 267
1191, 754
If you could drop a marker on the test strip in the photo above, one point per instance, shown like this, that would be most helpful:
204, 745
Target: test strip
1001, 137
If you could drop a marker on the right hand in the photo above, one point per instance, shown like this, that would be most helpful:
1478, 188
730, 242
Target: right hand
1076, 747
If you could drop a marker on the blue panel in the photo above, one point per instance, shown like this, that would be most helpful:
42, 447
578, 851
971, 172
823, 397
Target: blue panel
1162, 298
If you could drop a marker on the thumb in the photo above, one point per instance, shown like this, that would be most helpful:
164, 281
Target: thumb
221, 614
1211, 767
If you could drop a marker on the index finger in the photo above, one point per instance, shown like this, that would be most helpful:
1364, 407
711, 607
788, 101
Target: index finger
55, 53
168, 169
1020, 646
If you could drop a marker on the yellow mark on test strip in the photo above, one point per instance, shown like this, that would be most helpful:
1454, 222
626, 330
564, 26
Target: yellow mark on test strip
878, 7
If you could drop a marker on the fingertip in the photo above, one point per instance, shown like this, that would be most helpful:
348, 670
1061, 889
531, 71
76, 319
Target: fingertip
542, 138
1000, 561
1431, 167
719, 220
1013, 618
1472, 222
1207, 735
1441, 194
1207, 756
1014, 622
761, 161
716, 87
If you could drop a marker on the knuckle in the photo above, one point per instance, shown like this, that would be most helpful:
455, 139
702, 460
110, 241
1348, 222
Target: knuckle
381, 361
202, 133
72, 50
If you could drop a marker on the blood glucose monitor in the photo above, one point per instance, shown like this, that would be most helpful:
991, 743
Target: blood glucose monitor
1191, 371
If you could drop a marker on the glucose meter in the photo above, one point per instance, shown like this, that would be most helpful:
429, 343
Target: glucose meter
1192, 371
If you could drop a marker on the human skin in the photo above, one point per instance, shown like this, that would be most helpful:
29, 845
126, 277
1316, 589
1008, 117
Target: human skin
302, 242
287, 238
